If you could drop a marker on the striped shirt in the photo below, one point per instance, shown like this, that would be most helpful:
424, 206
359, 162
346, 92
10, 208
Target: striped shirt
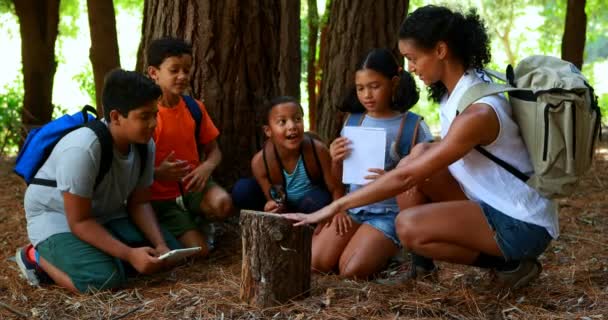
297, 183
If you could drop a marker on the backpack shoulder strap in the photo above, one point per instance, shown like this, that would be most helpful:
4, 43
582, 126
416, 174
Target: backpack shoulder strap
479, 91
196, 113
312, 164
105, 141
273, 164
142, 150
354, 119
484, 89
408, 131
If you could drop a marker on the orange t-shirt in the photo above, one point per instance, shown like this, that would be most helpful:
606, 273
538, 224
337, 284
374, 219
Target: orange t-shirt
175, 132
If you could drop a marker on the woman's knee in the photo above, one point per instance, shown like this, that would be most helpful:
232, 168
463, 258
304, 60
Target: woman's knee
322, 264
354, 268
408, 229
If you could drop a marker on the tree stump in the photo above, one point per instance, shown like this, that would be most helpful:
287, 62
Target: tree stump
276, 259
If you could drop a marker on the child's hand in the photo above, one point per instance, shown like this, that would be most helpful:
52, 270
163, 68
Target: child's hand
143, 260
171, 169
342, 223
197, 178
378, 173
272, 206
339, 149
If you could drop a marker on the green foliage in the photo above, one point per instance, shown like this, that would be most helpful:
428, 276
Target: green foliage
128, 5
69, 13
11, 101
6, 6
86, 81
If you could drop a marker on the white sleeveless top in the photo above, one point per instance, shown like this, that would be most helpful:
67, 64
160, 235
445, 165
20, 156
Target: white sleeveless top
483, 180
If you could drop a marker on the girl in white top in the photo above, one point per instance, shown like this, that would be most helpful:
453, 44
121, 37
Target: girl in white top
476, 212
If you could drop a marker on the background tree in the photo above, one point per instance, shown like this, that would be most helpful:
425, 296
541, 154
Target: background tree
244, 53
499, 16
38, 23
573, 42
354, 28
104, 53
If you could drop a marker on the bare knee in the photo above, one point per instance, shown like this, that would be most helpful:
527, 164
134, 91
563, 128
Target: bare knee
322, 264
352, 267
219, 208
408, 229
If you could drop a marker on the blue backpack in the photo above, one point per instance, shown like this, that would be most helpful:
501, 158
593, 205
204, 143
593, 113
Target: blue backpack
197, 115
40, 143
408, 131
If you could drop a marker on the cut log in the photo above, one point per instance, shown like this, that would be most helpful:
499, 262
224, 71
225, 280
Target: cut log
276, 259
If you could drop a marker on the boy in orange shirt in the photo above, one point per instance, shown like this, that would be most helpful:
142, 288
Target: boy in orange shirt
183, 189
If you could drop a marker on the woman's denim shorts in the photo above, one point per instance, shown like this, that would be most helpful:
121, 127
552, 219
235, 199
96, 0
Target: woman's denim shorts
516, 239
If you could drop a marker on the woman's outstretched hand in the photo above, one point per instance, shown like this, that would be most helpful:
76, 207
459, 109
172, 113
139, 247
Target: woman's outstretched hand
316, 217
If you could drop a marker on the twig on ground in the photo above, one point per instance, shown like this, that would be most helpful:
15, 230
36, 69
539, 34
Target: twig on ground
14, 310
124, 315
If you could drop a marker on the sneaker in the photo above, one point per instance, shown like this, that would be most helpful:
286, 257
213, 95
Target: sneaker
30, 271
526, 271
414, 272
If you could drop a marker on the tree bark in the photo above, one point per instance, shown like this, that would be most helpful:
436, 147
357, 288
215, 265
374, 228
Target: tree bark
244, 54
311, 74
276, 259
104, 52
354, 28
38, 23
573, 41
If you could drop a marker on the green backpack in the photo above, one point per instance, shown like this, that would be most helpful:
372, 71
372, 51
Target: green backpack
558, 116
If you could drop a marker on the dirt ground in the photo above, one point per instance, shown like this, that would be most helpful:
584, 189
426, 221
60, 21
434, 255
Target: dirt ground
573, 285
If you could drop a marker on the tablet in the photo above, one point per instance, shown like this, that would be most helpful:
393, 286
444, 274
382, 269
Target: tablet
179, 254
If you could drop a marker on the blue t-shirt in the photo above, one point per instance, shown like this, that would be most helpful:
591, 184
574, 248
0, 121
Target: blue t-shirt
391, 158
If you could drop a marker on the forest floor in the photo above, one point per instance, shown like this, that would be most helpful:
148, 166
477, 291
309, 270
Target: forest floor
573, 284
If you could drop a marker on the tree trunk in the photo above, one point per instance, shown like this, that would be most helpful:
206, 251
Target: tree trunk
38, 23
244, 54
311, 74
354, 28
276, 259
573, 42
104, 53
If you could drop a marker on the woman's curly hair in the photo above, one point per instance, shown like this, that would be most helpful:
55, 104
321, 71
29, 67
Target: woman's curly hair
464, 34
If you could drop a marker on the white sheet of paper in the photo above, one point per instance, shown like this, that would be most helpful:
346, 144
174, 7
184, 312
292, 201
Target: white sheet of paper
367, 151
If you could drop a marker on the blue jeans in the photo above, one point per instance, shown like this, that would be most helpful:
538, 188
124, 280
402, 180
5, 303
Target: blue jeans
516, 239
247, 194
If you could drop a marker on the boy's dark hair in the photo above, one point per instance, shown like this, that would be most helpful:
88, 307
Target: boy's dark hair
279, 100
127, 90
465, 35
161, 49
384, 62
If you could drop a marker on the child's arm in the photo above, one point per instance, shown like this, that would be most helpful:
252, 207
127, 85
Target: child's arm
341, 221
338, 150
259, 172
143, 216
86, 228
197, 178
334, 186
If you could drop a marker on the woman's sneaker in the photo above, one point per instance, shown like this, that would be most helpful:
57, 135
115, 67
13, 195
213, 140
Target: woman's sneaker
526, 272
30, 270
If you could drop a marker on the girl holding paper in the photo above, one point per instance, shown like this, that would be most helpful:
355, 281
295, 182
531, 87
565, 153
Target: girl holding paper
481, 215
361, 241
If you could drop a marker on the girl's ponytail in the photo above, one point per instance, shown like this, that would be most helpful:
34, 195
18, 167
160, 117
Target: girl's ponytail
406, 93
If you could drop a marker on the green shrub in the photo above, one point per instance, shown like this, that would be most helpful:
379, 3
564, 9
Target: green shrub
11, 100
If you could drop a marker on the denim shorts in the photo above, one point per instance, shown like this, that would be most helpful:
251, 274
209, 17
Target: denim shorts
384, 222
516, 239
